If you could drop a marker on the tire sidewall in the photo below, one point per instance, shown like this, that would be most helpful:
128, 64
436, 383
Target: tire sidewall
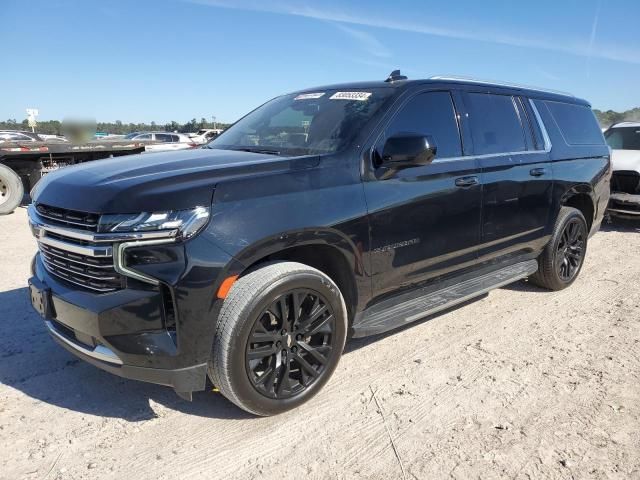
16, 190
573, 214
239, 381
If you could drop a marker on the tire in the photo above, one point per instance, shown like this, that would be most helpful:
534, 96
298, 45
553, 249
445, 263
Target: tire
252, 333
11, 190
563, 257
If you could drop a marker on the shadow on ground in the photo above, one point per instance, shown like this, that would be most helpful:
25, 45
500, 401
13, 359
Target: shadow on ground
31, 362
617, 224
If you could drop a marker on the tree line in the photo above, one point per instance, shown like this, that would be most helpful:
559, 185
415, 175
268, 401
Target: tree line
54, 127
610, 117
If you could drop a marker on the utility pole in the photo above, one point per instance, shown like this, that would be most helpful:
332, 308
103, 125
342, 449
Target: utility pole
214, 121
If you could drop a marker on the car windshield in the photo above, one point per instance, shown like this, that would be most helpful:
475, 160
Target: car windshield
624, 138
131, 135
322, 121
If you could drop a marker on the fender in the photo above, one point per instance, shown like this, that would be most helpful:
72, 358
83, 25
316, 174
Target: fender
353, 254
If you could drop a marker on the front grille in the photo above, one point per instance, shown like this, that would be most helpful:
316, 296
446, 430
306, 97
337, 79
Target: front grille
71, 251
625, 182
69, 218
94, 273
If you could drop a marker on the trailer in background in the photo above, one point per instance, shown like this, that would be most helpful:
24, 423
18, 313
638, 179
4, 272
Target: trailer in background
23, 164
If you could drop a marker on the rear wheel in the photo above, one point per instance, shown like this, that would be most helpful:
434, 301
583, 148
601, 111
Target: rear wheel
562, 259
11, 190
280, 335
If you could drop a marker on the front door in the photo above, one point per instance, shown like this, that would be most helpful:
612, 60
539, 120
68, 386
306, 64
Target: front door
424, 220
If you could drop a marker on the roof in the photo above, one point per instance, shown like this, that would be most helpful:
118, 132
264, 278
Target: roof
625, 124
439, 80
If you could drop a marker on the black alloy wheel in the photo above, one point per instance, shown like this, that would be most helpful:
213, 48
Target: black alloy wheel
570, 251
290, 344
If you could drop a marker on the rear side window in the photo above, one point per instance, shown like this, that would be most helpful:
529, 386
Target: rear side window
163, 137
495, 124
577, 123
175, 139
624, 138
430, 113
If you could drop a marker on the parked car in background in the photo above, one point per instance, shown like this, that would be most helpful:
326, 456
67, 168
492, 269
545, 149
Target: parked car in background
624, 140
15, 136
205, 135
346, 210
162, 141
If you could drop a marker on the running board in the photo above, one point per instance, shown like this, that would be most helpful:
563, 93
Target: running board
406, 308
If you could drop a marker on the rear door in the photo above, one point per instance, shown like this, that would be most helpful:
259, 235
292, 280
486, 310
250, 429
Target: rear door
424, 221
516, 174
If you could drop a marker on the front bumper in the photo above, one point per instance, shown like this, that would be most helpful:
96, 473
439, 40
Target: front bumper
624, 204
129, 332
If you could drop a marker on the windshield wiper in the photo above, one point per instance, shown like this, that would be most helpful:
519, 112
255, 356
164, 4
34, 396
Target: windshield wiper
259, 150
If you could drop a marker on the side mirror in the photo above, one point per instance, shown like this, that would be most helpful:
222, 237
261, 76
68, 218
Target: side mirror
408, 150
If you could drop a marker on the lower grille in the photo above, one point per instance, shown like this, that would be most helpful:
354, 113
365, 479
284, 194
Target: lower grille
625, 182
94, 273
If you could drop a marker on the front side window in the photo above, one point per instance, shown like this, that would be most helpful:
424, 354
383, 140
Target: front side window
144, 136
430, 113
322, 121
495, 124
623, 138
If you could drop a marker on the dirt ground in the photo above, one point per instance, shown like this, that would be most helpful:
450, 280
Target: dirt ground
520, 384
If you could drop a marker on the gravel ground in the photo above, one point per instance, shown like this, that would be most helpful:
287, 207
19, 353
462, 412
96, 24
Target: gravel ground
522, 383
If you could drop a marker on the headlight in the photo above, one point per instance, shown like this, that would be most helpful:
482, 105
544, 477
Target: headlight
187, 222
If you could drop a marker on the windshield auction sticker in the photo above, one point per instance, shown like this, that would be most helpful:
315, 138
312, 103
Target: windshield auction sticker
309, 96
361, 96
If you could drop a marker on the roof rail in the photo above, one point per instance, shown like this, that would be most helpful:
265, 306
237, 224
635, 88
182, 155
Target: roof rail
457, 78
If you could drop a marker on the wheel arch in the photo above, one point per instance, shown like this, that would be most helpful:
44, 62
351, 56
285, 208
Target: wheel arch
328, 251
581, 198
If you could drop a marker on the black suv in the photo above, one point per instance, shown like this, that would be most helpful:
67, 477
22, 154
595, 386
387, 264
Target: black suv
345, 210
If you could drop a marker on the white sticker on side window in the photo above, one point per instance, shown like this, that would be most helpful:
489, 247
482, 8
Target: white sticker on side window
361, 96
309, 96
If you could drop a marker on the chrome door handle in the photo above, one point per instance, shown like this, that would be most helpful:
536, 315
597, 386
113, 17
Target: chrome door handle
537, 172
466, 181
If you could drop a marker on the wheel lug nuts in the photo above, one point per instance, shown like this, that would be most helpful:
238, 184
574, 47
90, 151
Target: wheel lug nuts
278, 344
298, 337
294, 349
284, 353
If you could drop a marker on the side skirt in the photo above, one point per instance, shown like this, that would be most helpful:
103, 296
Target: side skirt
409, 307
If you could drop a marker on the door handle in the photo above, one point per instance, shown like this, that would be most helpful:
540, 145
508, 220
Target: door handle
466, 181
537, 172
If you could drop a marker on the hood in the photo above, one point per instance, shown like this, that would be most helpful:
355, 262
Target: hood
152, 182
625, 160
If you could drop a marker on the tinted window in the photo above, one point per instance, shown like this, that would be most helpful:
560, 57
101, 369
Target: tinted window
175, 139
145, 136
430, 113
323, 121
577, 123
495, 125
624, 138
163, 137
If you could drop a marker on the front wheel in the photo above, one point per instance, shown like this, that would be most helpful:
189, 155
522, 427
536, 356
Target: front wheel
562, 259
280, 335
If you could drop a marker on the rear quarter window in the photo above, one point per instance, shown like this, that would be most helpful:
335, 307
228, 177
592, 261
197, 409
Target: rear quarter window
577, 123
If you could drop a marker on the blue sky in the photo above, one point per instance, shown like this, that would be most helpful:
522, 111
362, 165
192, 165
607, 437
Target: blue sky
168, 60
